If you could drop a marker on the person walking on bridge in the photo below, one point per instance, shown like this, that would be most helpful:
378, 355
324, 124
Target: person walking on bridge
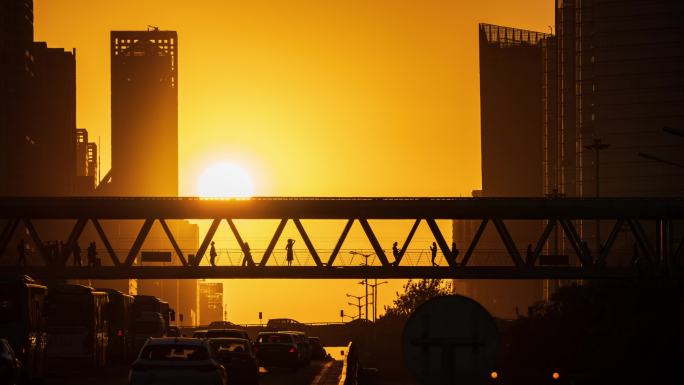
212, 254
247, 259
395, 253
433, 250
290, 252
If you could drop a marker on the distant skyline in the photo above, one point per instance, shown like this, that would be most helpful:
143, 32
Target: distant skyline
309, 98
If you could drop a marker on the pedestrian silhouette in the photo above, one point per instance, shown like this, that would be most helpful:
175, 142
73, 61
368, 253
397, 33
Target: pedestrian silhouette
290, 253
433, 249
212, 254
395, 252
454, 252
92, 254
247, 259
76, 251
21, 252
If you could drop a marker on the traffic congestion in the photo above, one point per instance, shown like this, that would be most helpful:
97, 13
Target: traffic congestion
62, 329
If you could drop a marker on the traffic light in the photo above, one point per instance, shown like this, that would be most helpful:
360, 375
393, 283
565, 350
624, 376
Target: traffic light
261, 316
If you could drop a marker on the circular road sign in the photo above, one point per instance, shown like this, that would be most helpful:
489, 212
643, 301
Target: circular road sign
450, 340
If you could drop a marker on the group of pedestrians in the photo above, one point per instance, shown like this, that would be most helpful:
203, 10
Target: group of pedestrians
433, 252
53, 250
247, 253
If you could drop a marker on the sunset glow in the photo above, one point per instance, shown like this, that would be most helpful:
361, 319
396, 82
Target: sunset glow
225, 180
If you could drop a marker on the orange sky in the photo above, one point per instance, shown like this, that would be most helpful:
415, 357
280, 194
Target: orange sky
316, 97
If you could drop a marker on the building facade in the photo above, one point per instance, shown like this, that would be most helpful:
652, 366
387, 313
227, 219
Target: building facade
144, 87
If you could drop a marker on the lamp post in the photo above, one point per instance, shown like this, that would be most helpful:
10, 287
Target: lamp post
358, 298
375, 296
365, 280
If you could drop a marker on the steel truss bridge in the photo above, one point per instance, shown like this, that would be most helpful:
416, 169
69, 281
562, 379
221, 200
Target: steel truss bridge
657, 244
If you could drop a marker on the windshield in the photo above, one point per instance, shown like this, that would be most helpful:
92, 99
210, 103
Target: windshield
174, 353
224, 346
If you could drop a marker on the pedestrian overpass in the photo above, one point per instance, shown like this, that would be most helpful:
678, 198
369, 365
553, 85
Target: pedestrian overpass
651, 223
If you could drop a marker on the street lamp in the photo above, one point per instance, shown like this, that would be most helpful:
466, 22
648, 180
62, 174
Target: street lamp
375, 296
597, 146
365, 281
358, 298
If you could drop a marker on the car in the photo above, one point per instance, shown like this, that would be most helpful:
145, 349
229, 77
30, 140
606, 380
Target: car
302, 344
221, 325
239, 359
171, 361
199, 334
279, 350
173, 331
227, 333
10, 366
284, 324
317, 350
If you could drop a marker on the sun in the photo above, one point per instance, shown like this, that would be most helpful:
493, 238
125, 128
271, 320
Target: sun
225, 180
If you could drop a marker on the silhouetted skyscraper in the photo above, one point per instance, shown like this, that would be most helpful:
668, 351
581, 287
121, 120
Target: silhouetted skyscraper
144, 113
37, 109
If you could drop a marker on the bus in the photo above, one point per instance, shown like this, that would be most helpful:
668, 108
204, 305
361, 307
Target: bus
22, 322
119, 315
151, 318
76, 328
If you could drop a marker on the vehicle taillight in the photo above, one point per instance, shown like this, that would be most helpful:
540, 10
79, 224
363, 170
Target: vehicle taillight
256, 349
119, 333
293, 350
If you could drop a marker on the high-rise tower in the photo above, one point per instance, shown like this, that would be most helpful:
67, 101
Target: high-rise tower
144, 113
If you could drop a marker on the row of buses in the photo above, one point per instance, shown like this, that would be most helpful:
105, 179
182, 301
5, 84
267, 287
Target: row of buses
76, 328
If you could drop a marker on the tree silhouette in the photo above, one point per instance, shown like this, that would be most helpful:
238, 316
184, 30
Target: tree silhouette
416, 293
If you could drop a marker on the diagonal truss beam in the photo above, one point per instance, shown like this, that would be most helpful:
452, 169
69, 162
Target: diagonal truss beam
583, 253
76, 232
37, 241
550, 226
508, 242
474, 242
243, 246
340, 241
105, 241
642, 239
139, 240
610, 241
274, 241
6, 235
172, 239
374, 242
205, 243
407, 242
308, 243
441, 242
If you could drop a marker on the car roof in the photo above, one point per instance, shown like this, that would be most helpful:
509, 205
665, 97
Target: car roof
226, 330
176, 341
229, 339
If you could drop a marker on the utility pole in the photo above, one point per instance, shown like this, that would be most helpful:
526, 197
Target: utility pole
358, 305
597, 147
365, 280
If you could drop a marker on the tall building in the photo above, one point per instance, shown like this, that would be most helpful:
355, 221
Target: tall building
210, 302
144, 86
37, 109
511, 138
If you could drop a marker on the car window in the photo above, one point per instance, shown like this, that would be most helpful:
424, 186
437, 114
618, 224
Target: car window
225, 333
275, 339
174, 353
